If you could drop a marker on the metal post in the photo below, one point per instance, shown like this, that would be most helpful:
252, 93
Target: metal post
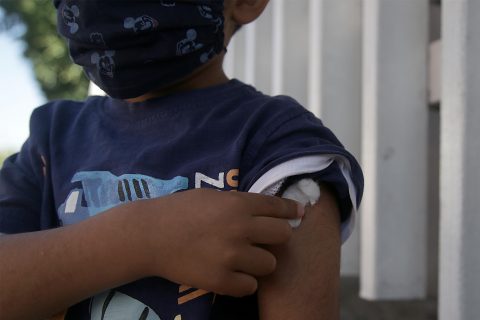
250, 56
394, 149
278, 46
460, 167
263, 51
335, 89
229, 60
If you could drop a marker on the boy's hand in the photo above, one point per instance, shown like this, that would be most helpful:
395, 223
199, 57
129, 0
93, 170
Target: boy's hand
202, 238
212, 240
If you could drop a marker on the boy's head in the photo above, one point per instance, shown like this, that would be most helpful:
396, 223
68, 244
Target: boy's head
133, 47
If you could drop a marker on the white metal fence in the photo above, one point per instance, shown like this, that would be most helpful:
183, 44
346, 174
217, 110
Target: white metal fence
362, 66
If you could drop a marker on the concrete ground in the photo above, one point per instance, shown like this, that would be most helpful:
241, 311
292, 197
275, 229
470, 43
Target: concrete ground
354, 308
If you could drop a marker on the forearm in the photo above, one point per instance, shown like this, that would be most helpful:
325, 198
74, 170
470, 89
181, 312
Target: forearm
305, 284
45, 272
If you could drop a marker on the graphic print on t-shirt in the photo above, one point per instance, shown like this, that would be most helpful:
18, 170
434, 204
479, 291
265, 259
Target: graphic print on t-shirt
102, 190
114, 305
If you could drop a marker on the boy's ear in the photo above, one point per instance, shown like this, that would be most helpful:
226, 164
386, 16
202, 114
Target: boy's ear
246, 11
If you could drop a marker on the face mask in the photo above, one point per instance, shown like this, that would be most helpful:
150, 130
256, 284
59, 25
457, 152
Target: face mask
131, 47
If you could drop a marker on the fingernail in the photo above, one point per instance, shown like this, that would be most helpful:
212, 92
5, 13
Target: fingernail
300, 210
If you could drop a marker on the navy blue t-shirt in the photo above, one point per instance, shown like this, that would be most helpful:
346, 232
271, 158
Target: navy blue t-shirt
83, 158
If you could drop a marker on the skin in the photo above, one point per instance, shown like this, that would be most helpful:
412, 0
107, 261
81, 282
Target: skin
48, 271
305, 283
296, 273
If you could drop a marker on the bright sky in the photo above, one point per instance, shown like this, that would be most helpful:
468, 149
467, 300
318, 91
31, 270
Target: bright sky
19, 94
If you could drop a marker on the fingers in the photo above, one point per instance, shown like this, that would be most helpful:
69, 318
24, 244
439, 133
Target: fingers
238, 284
276, 207
267, 230
254, 261
243, 267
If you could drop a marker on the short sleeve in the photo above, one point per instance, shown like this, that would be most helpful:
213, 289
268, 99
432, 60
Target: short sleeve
26, 199
301, 146
20, 193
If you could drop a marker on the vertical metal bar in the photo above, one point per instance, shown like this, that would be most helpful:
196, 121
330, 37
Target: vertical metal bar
278, 46
229, 61
238, 50
335, 78
296, 55
460, 167
250, 57
263, 51
394, 149
315, 56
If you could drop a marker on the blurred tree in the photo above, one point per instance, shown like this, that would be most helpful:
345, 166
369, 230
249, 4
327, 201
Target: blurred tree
57, 75
4, 155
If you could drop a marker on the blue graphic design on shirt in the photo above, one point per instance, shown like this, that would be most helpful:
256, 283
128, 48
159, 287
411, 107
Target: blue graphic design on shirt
102, 190
233, 127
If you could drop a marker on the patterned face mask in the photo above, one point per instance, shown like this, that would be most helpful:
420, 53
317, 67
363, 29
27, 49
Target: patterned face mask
130, 47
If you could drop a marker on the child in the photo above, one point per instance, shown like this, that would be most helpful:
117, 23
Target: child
173, 122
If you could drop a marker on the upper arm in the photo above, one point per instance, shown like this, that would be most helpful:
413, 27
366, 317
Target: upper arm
305, 284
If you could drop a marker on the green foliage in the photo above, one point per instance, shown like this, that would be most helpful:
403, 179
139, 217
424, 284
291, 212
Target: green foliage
4, 154
56, 73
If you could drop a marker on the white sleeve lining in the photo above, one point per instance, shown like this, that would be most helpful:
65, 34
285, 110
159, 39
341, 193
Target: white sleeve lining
311, 164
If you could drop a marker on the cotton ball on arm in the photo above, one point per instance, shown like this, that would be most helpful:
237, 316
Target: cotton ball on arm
305, 191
